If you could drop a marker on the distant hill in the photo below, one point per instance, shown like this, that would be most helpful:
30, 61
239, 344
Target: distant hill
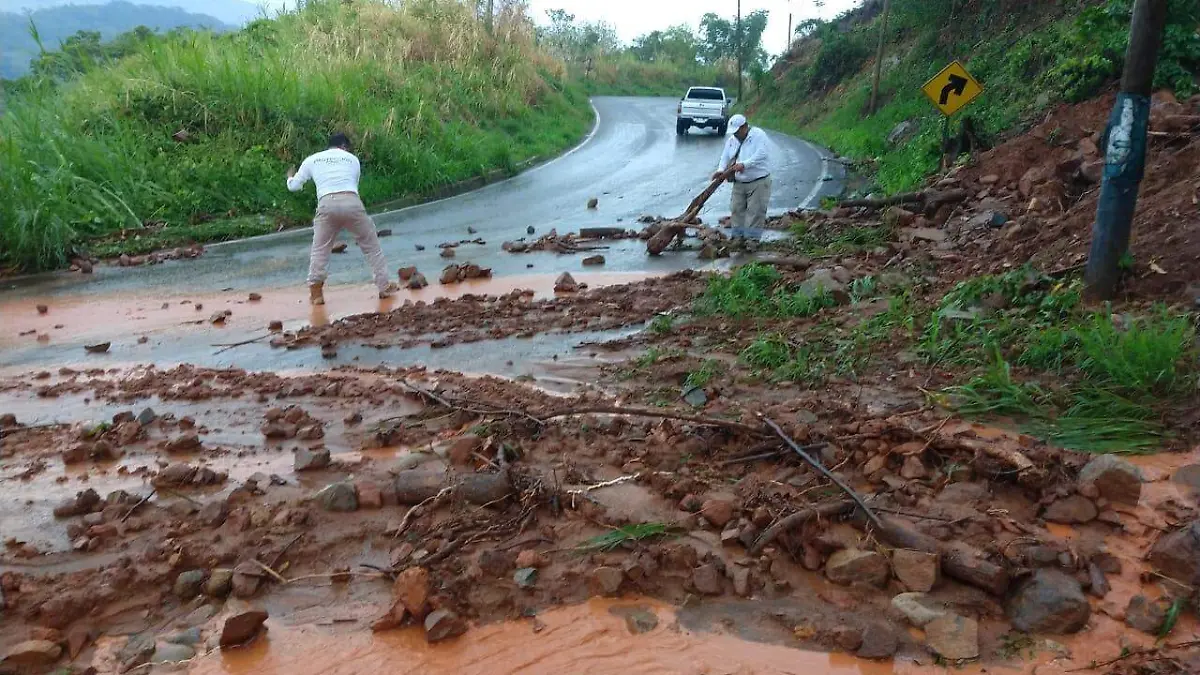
55, 24
233, 12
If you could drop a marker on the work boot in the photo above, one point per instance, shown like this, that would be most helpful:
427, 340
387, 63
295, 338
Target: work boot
316, 293
388, 291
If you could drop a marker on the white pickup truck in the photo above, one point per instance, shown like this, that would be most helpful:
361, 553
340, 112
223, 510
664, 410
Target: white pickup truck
703, 107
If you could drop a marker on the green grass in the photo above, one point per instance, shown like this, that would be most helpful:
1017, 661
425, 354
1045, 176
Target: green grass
429, 98
826, 241
703, 375
758, 290
620, 536
627, 76
662, 324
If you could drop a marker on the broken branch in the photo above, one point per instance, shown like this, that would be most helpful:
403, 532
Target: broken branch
640, 412
799, 518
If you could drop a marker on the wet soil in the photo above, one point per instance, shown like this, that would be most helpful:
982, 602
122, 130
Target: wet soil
517, 501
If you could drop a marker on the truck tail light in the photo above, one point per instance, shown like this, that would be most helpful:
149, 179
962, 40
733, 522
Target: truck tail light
679, 109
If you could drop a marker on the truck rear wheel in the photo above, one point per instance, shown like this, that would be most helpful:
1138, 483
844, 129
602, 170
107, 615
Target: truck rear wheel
681, 127
723, 129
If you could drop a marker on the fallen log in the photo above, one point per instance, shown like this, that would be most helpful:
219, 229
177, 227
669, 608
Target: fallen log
414, 487
927, 197
677, 226
960, 561
601, 232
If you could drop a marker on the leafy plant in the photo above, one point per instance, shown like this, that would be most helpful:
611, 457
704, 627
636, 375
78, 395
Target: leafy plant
620, 536
702, 376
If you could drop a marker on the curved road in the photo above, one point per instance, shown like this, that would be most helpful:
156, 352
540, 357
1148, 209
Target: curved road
634, 163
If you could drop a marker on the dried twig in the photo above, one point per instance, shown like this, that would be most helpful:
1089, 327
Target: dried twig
282, 551
278, 577
137, 506
407, 520
607, 483
642, 412
824, 472
232, 345
784, 524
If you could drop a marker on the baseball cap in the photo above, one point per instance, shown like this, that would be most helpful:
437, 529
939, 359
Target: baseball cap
736, 122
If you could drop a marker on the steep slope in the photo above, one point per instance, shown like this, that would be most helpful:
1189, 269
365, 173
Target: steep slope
1029, 56
430, 98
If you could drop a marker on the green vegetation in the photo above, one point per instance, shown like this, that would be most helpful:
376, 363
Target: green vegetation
662, 324
756, 290
429, 98
1092, 380
1028, 57
627, 534
659, 63
703, 375
838, 241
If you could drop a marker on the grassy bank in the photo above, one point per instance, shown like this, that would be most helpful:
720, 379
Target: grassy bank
428, 96
1028, 55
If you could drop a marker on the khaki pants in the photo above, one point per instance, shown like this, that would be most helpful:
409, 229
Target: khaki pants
344, 211
749, 206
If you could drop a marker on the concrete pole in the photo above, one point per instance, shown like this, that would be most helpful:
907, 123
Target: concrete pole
1125, 151
739, 49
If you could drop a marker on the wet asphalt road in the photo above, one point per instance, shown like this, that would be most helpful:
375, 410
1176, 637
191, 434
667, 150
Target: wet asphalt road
633, 163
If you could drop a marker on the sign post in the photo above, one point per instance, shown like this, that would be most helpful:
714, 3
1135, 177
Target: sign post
949, 91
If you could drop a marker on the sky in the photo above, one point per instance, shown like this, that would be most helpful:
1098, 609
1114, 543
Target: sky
632, 18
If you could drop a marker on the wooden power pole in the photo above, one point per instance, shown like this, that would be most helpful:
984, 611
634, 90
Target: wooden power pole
1125, 151
883, 21
491, 10
739, 49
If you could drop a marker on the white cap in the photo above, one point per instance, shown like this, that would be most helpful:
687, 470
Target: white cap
736, 122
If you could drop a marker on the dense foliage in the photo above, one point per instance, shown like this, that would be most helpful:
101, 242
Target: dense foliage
429, 97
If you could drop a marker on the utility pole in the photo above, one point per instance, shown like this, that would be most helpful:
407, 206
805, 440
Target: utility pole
739, 49
788, 48
1125, 151
487, 22
887, 7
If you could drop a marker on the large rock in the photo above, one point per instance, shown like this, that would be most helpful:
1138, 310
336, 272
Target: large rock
917, 608
1072, 510
607, 580
953, 637
917, 570
340, 497
1177, 554
81, 503
852, 565
220, 583
30, 656
566, 283
246, 579
189, 584
242, 628
443, 625
169, 652
1049, 602
820, 280
879, 641
1147, 615
305, 459
411, 589
707, 579
717, 511
1114, 478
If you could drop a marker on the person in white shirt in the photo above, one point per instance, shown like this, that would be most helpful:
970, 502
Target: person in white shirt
746, 152
336, 172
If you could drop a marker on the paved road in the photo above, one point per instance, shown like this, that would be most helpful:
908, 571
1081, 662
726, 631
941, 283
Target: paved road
633, 163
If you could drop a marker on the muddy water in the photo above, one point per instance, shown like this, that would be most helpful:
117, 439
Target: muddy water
588, 638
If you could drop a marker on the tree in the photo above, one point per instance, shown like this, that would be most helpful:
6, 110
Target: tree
719, 38
577, 42
677, 44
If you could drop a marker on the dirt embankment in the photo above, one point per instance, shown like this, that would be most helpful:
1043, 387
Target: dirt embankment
170, 508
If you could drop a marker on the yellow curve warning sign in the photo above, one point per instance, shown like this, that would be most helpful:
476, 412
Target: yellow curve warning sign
952, 88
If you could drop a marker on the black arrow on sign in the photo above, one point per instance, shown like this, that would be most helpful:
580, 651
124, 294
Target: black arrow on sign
956, 86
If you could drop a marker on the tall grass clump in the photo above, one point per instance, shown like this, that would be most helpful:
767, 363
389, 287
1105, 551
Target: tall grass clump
428, 96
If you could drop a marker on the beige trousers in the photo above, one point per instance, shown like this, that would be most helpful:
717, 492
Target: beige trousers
749, 206
344, 211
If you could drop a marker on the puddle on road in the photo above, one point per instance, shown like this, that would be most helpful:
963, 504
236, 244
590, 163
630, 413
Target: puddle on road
586, 638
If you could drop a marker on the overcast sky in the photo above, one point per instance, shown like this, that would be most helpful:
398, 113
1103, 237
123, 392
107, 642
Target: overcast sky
632, 18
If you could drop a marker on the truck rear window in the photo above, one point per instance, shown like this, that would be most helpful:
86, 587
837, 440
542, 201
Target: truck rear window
706, 94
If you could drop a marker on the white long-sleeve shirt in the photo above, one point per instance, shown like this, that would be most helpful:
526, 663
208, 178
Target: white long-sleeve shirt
754, 155
333, 170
